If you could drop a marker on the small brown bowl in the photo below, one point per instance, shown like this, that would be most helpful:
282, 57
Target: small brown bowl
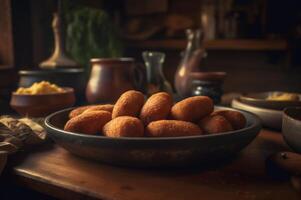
41, 105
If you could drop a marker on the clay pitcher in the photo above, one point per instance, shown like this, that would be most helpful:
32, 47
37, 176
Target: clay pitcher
191, 59
110, 77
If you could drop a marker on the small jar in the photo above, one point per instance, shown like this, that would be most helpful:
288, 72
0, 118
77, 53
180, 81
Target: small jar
206, 88
208, 84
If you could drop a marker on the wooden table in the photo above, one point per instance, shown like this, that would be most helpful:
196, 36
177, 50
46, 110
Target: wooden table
54, 171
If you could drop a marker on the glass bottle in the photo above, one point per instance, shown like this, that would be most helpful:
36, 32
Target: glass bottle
155, 77
190, 62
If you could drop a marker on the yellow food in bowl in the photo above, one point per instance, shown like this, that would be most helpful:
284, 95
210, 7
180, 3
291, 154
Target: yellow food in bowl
42, 87
283, 97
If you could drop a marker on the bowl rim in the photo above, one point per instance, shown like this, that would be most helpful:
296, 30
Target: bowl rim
68, 90
289, 116
259, 109
117, 59
253, 99
47, 72
255, 125
209, 76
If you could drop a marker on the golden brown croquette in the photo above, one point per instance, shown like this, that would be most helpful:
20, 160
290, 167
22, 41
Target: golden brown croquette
124, 126
128, 104
172, 128
157, 107
192, 109
88, 123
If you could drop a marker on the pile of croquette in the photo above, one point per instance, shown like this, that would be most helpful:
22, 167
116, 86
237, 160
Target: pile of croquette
158, 116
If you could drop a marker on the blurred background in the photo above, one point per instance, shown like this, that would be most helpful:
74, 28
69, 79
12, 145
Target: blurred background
257, 42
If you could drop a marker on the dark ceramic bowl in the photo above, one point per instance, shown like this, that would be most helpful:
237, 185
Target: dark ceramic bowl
152, 152
41, 105
259, 100
291, 127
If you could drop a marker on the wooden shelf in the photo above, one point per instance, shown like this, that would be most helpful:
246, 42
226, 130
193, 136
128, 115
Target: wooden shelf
222, 44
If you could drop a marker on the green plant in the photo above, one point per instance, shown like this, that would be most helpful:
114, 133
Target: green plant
90, 33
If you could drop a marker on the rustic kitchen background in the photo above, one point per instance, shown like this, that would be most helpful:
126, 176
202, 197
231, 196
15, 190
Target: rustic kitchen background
257, 42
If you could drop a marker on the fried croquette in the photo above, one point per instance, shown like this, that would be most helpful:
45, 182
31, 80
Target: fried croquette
124, 126
77, 111
191, 116
88, 123
215, 124
172, 128
104, 107
236, 119
192, 109
128, 104
157, 107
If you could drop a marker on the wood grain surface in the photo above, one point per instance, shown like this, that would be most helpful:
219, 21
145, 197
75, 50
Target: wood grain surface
54, 171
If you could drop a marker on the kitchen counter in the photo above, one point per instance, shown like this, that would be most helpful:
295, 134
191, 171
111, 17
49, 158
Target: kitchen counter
53, 171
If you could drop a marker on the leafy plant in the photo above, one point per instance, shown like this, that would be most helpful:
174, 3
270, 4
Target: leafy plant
91, 34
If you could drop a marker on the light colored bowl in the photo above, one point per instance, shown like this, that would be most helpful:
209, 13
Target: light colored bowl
270, 118
259, 100
291, 127
41, 105
153, 152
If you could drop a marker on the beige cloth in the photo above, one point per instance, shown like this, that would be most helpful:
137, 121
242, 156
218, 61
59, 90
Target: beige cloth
16, 134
